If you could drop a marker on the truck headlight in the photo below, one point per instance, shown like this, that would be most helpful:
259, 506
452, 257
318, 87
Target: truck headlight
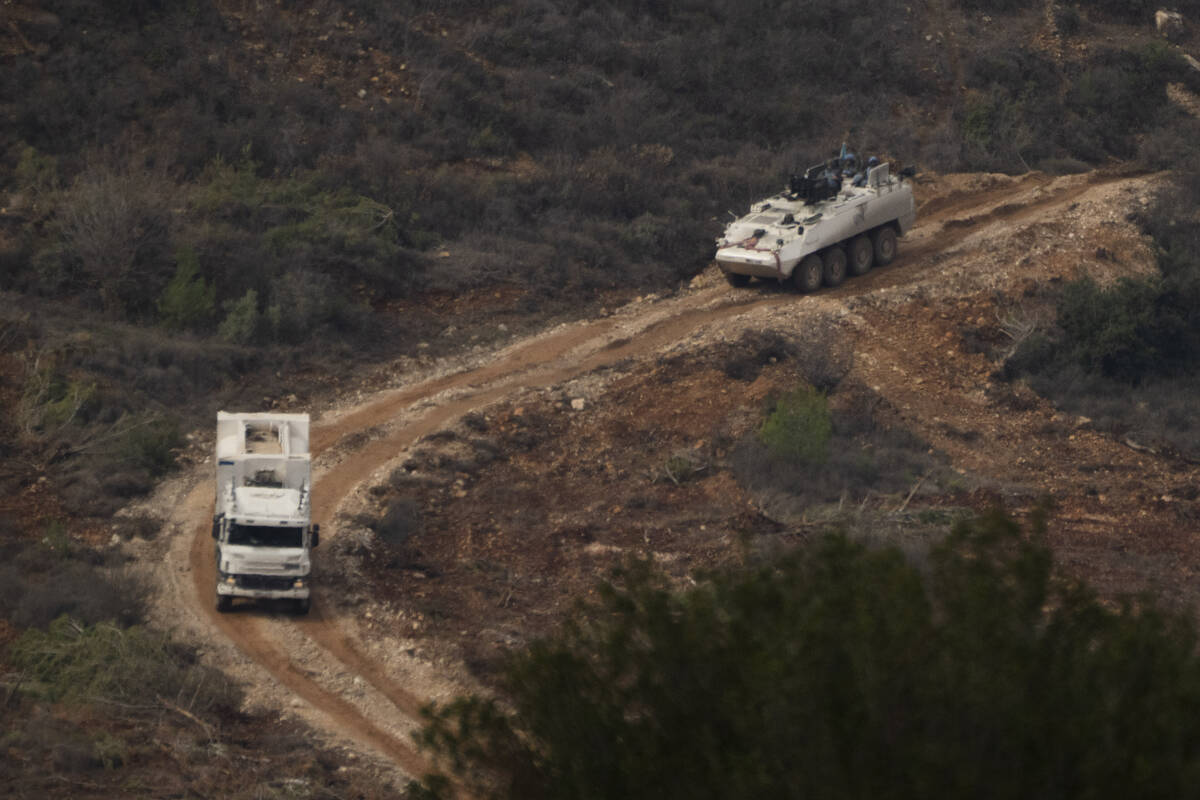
299, 583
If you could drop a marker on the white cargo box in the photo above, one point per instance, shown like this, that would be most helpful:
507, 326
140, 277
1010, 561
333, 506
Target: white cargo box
263, 467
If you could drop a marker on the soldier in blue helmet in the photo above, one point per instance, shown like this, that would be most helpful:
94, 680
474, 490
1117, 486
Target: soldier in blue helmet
861, 178
833, 176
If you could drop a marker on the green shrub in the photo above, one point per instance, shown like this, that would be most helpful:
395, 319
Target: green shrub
37, 174
73, 662
1131, 11
69, 401
1135, 328
188, 301
1121, 92
223, 185
1067, 19
151, 445
1109, 329
1170, 145
303, 302
242, 323
1127, 355
866, 457
999, 130
798, 428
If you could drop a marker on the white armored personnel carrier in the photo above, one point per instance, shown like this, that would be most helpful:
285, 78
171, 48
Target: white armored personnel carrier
822, 227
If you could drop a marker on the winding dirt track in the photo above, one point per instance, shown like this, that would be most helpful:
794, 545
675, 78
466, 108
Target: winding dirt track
396, 419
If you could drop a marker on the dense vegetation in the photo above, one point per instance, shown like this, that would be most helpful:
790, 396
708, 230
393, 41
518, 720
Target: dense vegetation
146, 147
843, 671
1127, 355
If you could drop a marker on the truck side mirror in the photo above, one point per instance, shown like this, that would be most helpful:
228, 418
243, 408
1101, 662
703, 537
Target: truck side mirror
316, 535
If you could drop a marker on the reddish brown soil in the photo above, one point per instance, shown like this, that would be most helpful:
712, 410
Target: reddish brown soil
558, 463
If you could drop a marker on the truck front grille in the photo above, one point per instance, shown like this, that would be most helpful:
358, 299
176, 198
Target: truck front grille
265, 581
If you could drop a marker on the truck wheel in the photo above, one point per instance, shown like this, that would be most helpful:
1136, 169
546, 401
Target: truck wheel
885, 245
737, 280
862, 255
301, 606
808, 273
224, 603
835, 266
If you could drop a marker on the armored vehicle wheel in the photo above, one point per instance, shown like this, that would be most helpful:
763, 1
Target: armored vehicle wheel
835, 266
737, 280
885, 245
224, 603
862, 255
808, 273
301, 606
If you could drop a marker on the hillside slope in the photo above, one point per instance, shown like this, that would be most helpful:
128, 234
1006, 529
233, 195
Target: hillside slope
493, 226
530, 471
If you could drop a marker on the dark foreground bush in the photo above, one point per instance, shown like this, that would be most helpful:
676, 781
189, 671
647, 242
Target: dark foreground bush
846, 672
43, 581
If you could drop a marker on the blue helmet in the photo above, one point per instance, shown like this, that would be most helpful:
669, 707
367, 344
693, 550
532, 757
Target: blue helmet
872, 162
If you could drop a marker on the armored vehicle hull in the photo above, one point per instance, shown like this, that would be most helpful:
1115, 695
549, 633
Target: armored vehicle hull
819, 231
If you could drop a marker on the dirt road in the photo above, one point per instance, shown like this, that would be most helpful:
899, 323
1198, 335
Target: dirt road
979, 240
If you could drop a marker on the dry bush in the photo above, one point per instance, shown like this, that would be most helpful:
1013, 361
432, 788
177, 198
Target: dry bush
756, 349
115, 223
140, 526
78, 663
1171, 145
865, 456
42, 581
400, 521
824, 354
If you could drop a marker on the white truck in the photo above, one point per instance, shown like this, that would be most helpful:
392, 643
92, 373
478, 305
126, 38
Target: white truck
262, 520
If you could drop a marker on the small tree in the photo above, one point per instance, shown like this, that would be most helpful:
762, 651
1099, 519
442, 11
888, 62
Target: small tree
242, 319
799, 427
188, 301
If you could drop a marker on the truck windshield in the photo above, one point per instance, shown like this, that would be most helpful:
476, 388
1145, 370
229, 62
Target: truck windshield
264, 536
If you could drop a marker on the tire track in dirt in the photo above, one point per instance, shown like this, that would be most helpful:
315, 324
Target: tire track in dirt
956, 227
249, 634
537, 363
948, 227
